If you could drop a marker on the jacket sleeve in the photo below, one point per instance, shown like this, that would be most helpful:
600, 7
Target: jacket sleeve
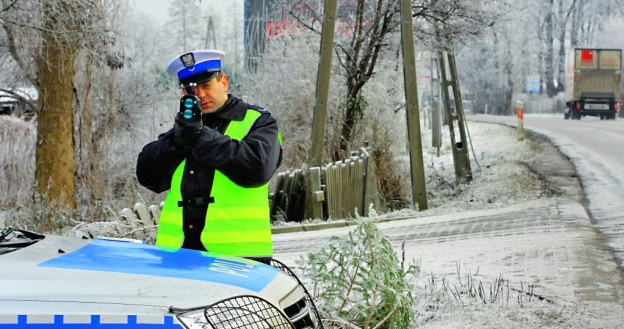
157, 162
250, 162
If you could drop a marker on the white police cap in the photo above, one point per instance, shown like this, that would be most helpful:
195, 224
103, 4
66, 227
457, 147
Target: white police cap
196, 66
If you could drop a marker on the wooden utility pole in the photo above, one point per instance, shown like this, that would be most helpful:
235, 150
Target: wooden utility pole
419, 193
455, 119
313, 207
436, 113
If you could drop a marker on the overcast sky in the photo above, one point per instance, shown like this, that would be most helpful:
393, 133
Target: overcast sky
153, 8
159, 9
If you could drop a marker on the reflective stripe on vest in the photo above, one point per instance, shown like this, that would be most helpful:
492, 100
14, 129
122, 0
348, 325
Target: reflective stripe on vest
237, 223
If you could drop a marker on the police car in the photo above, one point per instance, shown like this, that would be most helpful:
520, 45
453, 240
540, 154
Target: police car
53, 281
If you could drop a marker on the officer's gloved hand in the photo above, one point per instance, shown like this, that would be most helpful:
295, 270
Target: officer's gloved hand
186, 132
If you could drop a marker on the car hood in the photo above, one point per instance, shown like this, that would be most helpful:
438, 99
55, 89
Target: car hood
61, 275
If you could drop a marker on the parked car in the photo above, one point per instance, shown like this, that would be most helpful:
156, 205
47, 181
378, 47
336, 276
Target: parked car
49, 281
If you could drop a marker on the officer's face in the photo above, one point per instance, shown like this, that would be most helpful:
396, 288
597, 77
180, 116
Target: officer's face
213, 93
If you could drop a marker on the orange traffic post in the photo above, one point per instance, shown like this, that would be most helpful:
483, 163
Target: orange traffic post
520, 115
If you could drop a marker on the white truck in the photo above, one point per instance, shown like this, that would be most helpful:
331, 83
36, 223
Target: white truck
593, 83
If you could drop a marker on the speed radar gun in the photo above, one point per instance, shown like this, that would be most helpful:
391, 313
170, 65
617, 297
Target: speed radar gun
190, 104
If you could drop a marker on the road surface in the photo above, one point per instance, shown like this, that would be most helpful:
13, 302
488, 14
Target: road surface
596, 148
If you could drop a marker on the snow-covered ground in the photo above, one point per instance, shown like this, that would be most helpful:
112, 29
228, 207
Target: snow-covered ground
511, 172
506, 173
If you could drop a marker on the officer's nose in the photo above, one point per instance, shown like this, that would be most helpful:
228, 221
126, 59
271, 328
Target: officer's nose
200, 93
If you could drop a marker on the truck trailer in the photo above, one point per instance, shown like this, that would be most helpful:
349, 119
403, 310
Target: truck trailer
593, 83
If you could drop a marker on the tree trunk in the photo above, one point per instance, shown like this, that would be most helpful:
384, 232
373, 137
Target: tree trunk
550, 51
508, 70
55, 165
353, 111
564, 18
561, 57
360, 61
576, 19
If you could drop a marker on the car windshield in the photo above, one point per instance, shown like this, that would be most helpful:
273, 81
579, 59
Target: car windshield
12, 239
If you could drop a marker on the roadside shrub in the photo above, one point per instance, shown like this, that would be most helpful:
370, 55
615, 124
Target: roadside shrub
359, 282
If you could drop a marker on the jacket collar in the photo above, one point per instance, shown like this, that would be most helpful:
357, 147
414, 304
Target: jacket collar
233, 109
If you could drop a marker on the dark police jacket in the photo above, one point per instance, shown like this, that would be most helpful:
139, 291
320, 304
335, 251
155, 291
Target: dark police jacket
248, 163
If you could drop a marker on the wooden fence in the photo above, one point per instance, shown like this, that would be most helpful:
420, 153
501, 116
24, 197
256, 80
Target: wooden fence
344, 190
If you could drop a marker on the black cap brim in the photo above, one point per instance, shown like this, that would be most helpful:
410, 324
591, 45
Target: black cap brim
200, 77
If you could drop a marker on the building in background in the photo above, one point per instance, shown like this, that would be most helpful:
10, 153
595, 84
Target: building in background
257, 13
265, 19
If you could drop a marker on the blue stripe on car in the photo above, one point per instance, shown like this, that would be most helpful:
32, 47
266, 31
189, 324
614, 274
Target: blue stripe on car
124, 257
23, 321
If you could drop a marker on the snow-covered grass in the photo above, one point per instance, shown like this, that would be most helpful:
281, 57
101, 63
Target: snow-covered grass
505, 171
466, 301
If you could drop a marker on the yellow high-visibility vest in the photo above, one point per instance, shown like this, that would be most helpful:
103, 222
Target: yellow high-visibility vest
237, 222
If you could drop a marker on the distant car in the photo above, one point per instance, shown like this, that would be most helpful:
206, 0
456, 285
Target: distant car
65, 282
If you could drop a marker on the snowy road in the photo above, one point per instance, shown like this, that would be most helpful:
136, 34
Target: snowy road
596, 148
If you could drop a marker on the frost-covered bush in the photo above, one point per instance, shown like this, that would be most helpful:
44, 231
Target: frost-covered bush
359, 281
284, 82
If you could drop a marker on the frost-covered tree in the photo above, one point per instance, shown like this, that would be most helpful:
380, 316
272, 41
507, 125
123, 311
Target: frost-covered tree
186, 25
366, 32
225, 32
125, 109
564, 15
590, 18
284, 84
45, 39
112, 85
539, 35
567, 24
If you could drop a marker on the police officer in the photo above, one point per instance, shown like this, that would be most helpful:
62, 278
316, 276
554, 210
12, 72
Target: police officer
216, 167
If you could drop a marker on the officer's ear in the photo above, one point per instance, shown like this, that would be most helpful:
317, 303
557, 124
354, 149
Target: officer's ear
224, 82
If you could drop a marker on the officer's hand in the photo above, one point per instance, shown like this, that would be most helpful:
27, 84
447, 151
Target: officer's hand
185, 132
